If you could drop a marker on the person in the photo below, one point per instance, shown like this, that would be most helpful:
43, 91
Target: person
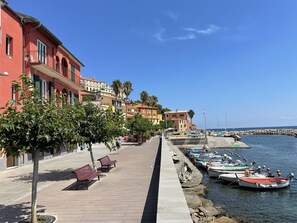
118, 144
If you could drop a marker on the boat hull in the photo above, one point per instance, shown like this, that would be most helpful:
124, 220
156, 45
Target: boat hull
216, 173
264, 183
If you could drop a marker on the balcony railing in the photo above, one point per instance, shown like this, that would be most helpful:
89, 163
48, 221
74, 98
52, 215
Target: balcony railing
40, 57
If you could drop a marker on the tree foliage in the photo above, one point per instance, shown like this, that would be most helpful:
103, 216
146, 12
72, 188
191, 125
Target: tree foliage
139, 126
191, 113
96, 125
33, 127
127, 86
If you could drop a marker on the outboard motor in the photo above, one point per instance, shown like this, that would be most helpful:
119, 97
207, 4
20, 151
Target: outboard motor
291, 176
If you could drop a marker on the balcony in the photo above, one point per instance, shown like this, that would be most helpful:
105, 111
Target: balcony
46, 64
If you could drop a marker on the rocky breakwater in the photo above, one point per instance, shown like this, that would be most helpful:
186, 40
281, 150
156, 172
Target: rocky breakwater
288, 132
201, 209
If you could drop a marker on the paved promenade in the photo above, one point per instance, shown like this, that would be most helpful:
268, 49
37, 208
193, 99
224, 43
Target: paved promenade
128, 193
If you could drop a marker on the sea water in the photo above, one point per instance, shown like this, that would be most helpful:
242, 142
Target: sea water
249, 205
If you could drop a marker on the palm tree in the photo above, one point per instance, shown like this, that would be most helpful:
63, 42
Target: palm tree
117, 87
144, 96
191, 113
153, 102
127, 86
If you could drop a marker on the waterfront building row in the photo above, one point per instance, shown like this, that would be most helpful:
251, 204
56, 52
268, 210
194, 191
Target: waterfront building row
28, 47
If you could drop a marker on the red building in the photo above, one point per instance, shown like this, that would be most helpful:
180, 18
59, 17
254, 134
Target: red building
11, 52
28, 47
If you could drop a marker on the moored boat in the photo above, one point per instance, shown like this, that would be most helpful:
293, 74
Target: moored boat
265, 182
216, 173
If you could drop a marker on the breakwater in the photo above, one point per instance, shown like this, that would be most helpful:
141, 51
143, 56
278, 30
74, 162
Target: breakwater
288, 132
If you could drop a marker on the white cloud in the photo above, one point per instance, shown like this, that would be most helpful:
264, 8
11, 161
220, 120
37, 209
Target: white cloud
159, 35
192, 34
172, 15
209, 30
185, 37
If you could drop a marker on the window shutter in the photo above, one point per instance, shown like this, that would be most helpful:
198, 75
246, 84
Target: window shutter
37, 84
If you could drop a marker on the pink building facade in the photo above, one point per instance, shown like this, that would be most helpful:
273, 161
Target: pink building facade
28, 47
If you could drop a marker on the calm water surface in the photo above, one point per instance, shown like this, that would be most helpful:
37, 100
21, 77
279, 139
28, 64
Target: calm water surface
275, 152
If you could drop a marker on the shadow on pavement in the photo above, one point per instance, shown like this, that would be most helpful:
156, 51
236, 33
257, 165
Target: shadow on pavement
17, 212
151, 205
50, 175
79, 186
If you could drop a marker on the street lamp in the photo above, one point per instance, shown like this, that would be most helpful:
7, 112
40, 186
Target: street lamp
204, 114
5, 73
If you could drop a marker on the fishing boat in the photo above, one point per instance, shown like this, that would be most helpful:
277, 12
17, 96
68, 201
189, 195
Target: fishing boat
265, 182
232, 177
216, 173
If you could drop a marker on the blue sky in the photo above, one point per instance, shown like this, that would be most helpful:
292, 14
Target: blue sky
234, 59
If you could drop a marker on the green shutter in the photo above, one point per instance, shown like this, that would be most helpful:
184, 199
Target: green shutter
51, 91
37, 84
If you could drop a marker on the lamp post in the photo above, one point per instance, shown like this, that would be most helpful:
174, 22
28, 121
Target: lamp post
5, 73
205, 135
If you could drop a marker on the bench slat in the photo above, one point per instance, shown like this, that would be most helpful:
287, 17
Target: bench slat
106, 162
86, 174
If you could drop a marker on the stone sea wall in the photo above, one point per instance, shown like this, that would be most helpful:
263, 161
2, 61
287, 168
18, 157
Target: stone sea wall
288, 132
201, 209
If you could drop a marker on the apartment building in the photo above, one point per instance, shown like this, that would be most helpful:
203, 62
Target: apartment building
28, 47
93, 85
146, 111
102, 94
180, 119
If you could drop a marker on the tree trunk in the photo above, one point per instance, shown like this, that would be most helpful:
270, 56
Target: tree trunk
92, 156
34, 187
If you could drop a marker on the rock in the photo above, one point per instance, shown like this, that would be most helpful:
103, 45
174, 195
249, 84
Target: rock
209, 211
193, 200
206, 202
223, 219
195, 219
192, 211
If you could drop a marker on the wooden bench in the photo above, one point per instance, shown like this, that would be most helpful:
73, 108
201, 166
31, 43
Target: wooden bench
106, 162
86, 174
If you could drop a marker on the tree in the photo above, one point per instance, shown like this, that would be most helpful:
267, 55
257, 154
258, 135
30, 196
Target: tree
117, 87
152, 102
96, 125
36, 127
144, 97
191, 113
127, 86
139, 126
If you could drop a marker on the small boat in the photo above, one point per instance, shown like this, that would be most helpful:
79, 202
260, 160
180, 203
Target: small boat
216, 173
232, 177
265, 182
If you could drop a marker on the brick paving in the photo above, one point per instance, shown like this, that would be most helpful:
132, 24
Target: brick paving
126, 194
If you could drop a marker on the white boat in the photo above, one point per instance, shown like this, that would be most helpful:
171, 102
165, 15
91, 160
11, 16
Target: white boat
216, 173
264, 182
232, 177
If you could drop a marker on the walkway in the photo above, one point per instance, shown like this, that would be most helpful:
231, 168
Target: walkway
128, 193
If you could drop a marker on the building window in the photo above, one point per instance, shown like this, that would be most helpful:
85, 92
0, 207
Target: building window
43, 90
71, 98
9, 45
14, 92
40, 86
57, 64
42, 52
51, 91
72, 73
